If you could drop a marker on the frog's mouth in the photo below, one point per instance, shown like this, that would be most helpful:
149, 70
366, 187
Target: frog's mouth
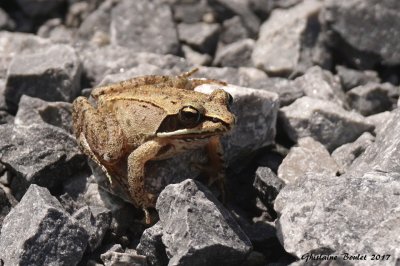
205, 129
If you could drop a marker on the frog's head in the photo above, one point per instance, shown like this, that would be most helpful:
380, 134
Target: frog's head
201, 117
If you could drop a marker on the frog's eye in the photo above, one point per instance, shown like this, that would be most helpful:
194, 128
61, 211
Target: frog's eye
189, 116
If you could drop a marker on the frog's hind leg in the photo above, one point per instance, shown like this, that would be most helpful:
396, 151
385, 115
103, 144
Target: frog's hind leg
98, 135
215, 169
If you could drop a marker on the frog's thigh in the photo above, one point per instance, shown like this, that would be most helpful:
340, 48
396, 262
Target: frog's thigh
136, 163
103, 136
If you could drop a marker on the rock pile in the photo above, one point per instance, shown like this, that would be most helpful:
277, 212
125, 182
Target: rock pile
313, 164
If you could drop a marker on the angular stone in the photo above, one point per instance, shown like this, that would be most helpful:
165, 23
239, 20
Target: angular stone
195, 58
380, 121
236, 54
191, 11
17, 44
242, 76
351, 78
37, 229
55, 30
120, 258
152, 247
232, 31
321, 84
363, 31
6, 118
36, 111
143, 25
197, 229
5, 205
384, 154
283, 37
256, 113
285, 88
6, 23
324, 121
52, 75
39, 153
334, 214
201, 36
97, 24
267, 185
228, 8
100, 61
371, 98
95, 221
308, 156
36, 8
347, 153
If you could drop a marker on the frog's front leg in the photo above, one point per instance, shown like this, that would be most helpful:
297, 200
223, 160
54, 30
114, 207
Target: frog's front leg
136, 163
216, 171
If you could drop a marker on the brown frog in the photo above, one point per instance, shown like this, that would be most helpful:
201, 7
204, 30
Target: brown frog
151, 118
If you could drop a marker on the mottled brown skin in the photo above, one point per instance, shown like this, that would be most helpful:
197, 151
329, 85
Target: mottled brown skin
151, 118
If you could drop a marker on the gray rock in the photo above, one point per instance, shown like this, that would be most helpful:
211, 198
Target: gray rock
41, 154
195, 58
324, 121
34, 110
95, 221
380, 121
52, 75
347, 153
256, 114
143, 25
232, 31
351, 78
367, 196
140, 70
197, 229
236, 54
384, 154
321, 84
100, 61
77, 12
371, 98
127, 258
286, 89
191, 11
96, 26
36, 8
309, 156
267, 186
152, 247
201, 36
6, 118
55, 30
17, 44
363, 31
242, 76
37, 229
5, 205
340, 214
284, 36
6, 23
237, 7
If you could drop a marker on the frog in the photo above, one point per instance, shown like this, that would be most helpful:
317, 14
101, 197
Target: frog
124, 125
